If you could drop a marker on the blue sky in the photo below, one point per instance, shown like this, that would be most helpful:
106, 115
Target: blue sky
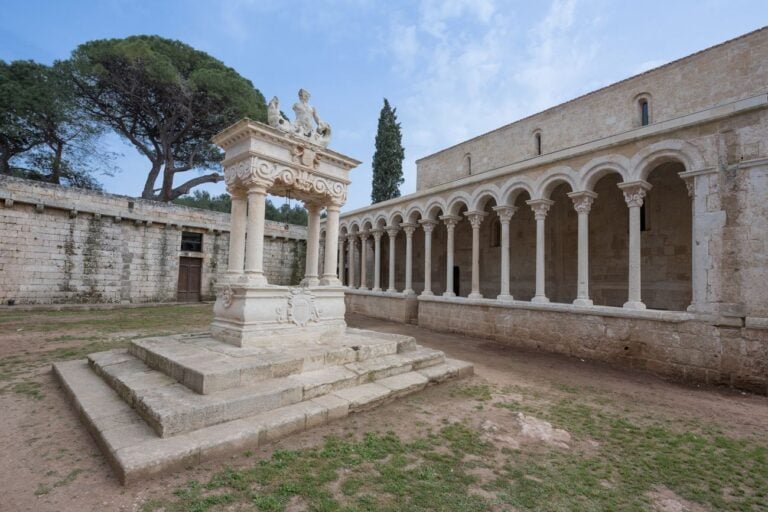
454, 69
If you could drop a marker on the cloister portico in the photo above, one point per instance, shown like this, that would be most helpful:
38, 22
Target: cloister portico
621, 226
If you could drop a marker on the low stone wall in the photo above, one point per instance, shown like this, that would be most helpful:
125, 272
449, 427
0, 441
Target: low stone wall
388, 306
674, 344
62, 245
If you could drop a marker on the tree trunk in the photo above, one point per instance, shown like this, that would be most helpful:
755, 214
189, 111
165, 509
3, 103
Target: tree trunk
166, 193
149, 185
56, 165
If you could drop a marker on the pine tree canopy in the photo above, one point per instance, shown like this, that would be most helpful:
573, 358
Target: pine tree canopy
388, 158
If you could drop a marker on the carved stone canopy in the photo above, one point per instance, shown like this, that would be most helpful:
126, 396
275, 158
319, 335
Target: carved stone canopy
257, 155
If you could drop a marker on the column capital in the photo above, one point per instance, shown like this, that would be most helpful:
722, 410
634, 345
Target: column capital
377, 233
450, 220
352, 237
428, 225
582, 200
634, 192
475, 218
236, 192
505, 213
540, 207
392, 230
409, 228
364, 235
333, 207
313, 208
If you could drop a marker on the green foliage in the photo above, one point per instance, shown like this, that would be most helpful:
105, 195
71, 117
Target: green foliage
388, 158
42, 129
168, 100
295, 214
203, 199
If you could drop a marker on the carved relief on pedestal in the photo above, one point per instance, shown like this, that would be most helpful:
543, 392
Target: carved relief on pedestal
300, 309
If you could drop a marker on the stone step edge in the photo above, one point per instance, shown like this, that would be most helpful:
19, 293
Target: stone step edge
135, 453
193, 379
286, 396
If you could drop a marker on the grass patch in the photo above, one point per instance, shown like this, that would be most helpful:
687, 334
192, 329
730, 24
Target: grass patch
479, 392
43, 489
28, 388
381, 473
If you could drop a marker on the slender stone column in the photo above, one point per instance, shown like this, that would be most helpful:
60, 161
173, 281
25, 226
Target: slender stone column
351, 239
475, 219
450, 224
392, 232
342, 276
377, 233
364, 260
313, 245
409, 229
505, 214
540, 208
582, 203
237, 233
429, 226
254, 246
634, 192
332, 258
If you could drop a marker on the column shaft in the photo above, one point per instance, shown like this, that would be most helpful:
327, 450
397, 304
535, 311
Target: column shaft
409, 229
540, 208
634, 192
313, 245
237, 235
505, 214
332, 251
475, 219
582, 203
429, 226
450, 225
392, 232
254, 251
364, 261
377, 260
351, 266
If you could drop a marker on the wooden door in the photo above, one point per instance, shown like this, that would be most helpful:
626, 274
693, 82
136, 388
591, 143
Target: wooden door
189, 279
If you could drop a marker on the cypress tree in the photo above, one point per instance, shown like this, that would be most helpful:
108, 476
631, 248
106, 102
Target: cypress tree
388, 158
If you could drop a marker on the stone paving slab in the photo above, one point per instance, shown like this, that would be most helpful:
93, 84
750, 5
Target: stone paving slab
135, 452
207, 366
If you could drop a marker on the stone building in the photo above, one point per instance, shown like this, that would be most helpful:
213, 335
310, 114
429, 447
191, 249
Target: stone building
628, 225
63, 245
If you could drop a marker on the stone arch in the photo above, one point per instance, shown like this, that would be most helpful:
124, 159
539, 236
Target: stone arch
552, 179
456, 201
434, 209
414, 213
594, 170
512, 190
380, 220
672, 150
481, 196
395, 215
366, 224
354, 226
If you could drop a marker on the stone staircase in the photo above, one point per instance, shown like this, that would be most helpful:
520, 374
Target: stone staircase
168, 402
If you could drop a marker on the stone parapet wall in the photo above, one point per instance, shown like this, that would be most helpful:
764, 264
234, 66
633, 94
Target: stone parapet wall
673, 344
63, 245
387, 306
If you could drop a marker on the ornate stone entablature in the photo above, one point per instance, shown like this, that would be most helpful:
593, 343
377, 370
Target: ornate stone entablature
283, 163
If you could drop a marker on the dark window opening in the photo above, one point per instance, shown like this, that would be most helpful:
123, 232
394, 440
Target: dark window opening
468, 164
456, 280
643, 219
192, 242
644, 114
538, 143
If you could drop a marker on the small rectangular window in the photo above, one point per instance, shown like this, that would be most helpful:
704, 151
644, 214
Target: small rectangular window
192, 242
644, 117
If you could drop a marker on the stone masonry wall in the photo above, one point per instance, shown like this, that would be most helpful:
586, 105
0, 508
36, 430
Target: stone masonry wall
724, 73
63, 245
672, 344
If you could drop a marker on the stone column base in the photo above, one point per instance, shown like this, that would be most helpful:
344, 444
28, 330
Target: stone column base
251, 315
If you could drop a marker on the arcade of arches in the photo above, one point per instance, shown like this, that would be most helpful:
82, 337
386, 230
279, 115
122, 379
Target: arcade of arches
664, 230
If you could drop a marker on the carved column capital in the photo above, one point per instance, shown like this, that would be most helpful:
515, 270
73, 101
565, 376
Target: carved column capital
540, 207
364, 235
428, 225
409, 228
377, 233
475, 218
634, 192
450, 221
582, 201
505, 213
392, 231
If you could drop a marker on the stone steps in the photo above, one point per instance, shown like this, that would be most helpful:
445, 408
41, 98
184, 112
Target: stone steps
207, 366
171, 408
135, 451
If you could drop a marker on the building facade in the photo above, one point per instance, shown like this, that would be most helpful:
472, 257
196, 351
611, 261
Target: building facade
628, 225
62, 245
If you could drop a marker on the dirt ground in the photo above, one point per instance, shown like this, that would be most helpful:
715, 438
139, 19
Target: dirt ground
48, 462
